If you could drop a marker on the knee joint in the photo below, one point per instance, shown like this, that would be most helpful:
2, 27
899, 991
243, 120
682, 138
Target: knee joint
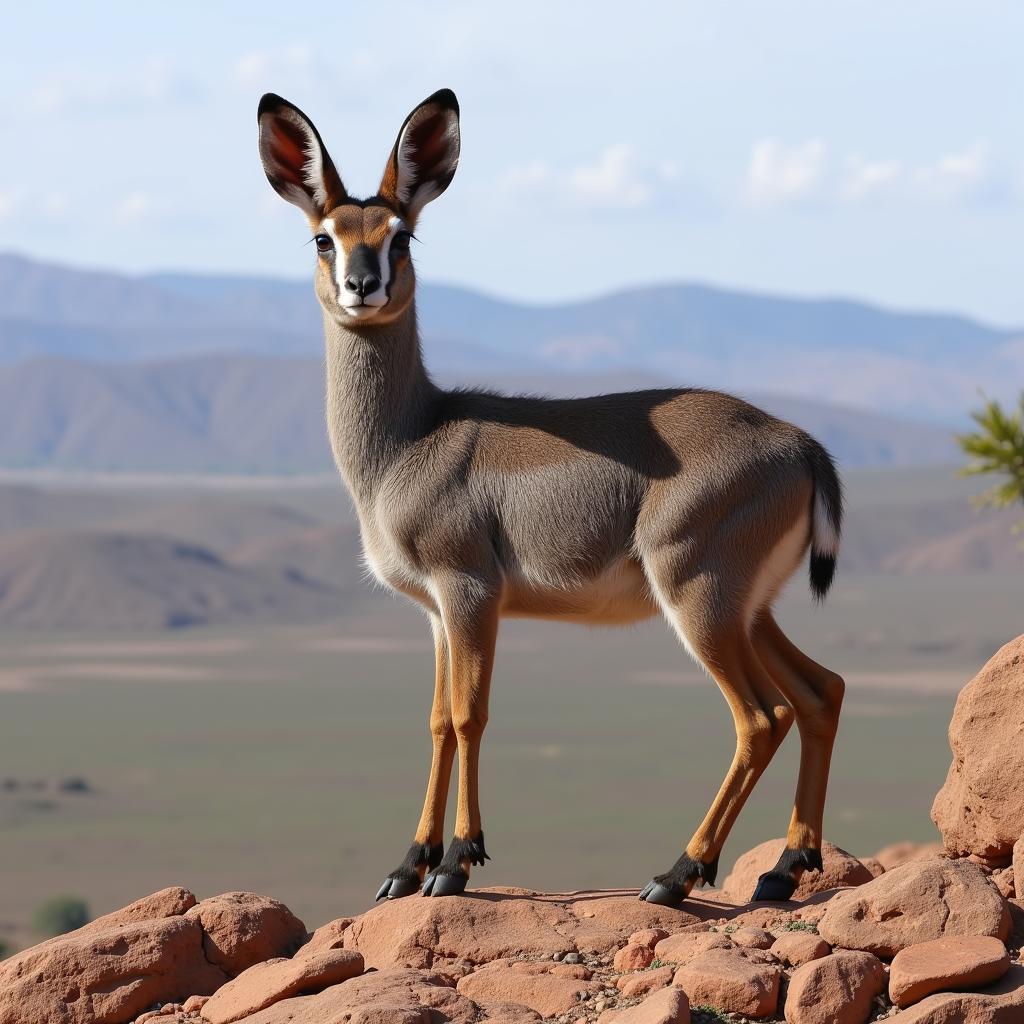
470, 724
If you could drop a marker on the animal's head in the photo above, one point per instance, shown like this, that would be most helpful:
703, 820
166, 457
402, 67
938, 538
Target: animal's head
364, 273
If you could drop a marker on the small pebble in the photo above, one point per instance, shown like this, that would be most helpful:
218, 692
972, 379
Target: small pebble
572, 958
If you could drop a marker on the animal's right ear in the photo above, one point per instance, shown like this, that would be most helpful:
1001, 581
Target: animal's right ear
295, 160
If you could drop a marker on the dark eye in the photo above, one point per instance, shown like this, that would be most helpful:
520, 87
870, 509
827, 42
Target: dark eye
324, 243
401, 241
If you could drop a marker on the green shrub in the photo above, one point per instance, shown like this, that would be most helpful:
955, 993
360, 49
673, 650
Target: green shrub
61, 914
997, 447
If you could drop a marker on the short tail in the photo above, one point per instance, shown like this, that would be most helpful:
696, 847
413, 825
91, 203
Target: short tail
826, 518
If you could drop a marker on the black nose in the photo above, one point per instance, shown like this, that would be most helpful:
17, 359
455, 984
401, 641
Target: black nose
362, 284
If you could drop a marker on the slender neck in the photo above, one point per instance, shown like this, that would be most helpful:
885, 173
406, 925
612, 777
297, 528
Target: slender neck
379, 397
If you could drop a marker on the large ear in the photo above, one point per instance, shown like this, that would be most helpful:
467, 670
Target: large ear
425, 156
295, 160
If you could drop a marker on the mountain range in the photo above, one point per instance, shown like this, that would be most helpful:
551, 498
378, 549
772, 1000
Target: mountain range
175, 372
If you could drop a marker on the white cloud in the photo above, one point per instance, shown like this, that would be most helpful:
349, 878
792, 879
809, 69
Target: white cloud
257, 67
133, 207
8, 201
955, 175
780, 173
617, 178
865, 179
154, 79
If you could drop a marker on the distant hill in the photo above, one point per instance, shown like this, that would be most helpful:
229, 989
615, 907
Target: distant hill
250, 414
81, 580
92, 558
898, 363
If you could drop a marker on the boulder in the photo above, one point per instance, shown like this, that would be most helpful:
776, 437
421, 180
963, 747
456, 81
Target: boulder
633, 957
632, 986
649, 937
243, 928
729, 980
107, 975
841, 869
999, 1003
752, 938
669, 1006
980, 808
954, 962
682, 948
490, 924
380, 997
837, 989
309, 971
1018, 864
530, 983
798, 948
920, 901
895, 854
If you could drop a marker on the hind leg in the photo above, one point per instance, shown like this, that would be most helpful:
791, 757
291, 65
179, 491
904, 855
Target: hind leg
761, 718
816, 695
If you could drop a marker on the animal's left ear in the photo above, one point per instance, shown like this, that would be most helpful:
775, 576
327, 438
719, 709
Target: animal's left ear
425, 156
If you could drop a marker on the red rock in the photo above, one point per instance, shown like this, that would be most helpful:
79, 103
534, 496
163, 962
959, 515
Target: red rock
1018, 863
669, 1006
727, 980
380, 997
955, 962
309, 971
1004, 881
873, 865
895, 854
517, 982
243, 928
649, 937
841, 869
106, 975
507, 1013
633, 957
752, 938
633, 985
837, 989
489, 924
682, 948
980, 808
917, 902
798, 948
1000, 1003
329, 936
194, 1004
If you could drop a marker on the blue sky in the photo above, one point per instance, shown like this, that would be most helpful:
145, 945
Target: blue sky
872, 149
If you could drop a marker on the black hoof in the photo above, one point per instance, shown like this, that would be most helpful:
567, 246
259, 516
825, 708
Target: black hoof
396, 888
660, 894
774, 886
444, 885
406, 878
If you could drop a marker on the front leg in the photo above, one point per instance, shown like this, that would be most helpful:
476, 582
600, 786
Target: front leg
427, 849
470, 609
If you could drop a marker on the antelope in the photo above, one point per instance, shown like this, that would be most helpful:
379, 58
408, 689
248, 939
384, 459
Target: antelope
608, 509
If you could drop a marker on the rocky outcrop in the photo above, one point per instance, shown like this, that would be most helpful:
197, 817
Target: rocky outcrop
960, 962
980, 809
513, 956
918, 902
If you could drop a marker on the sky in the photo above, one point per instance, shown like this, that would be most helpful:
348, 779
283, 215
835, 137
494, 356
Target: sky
864, 148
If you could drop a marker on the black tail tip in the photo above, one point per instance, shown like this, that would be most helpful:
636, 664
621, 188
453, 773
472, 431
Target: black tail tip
823, 571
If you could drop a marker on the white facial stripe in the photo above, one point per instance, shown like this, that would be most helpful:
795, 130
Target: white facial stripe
340, 257
395, 224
